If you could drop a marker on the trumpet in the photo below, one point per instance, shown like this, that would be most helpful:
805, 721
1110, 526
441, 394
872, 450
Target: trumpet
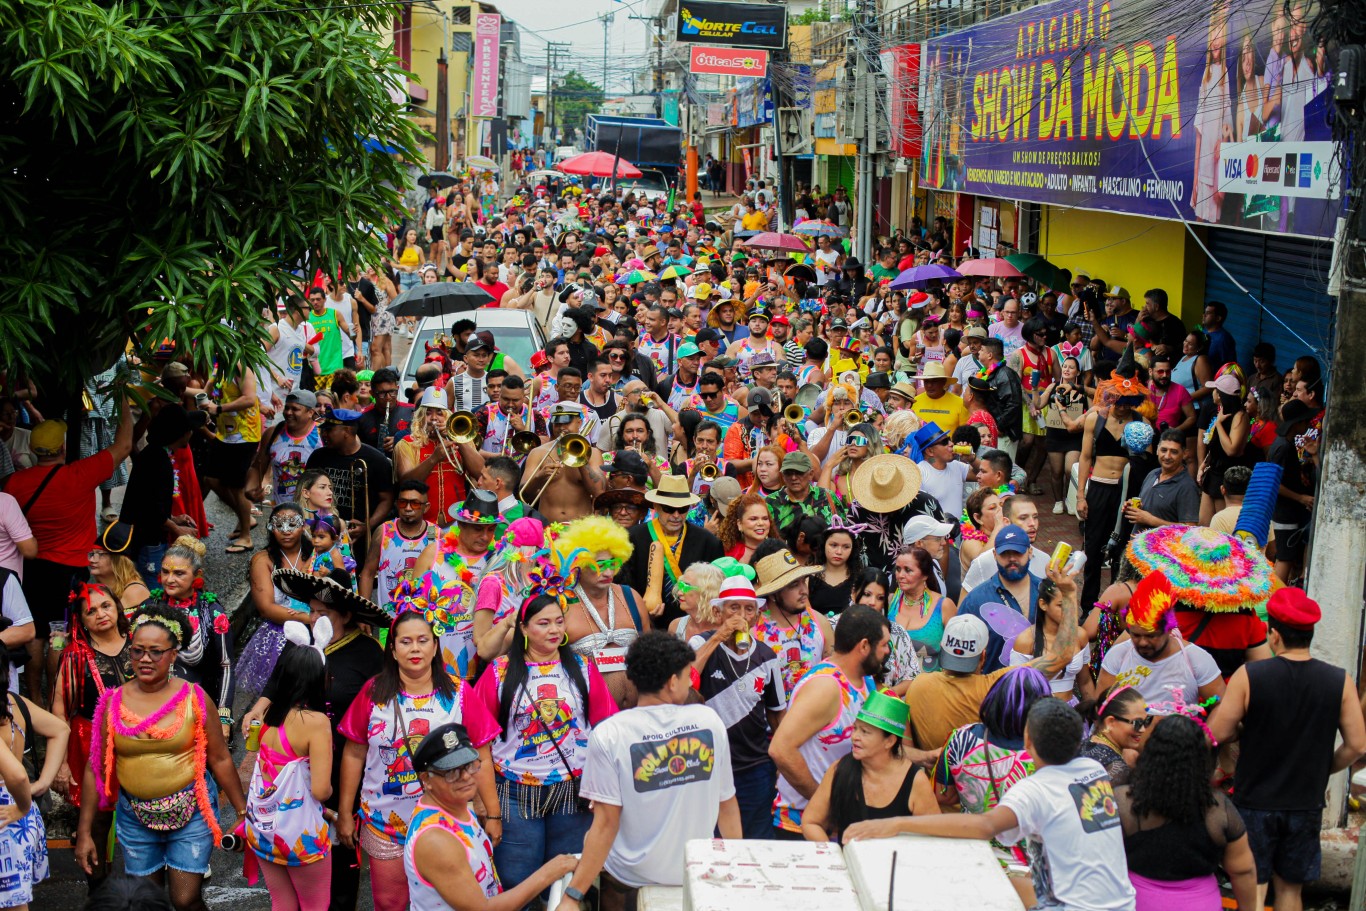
572, 450
852, 419
709, 472
460, 428
794, 414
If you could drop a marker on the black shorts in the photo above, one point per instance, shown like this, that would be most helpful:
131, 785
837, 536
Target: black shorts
47, 586
228, 463
1059, 440
435, 233
1285, 843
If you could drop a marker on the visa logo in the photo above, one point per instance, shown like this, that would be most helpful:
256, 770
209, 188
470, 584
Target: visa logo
1233, 169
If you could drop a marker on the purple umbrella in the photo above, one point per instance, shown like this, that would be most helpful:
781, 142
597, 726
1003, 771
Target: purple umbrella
920, 276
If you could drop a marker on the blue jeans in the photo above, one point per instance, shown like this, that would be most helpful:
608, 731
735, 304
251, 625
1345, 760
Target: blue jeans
530, 842
754, 791
408, 280
149, 564
145, 851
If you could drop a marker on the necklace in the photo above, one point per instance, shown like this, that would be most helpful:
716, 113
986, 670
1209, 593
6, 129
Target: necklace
592, 612
344, 640
1105, 739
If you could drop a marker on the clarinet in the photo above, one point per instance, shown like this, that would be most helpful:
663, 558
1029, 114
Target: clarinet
384, 427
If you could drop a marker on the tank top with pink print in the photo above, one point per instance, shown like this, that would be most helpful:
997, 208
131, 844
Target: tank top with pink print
285, 823
422, 895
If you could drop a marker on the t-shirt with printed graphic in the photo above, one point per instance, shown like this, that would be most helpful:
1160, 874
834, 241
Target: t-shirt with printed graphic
1068, 818
668, 767
743, 689
1188, 669
288, 456
390, 789
548, 712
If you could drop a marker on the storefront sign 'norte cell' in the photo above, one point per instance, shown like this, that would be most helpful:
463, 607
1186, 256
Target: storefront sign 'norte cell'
732, 24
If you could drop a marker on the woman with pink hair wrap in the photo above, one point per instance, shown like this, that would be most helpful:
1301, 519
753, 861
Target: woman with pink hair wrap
502, 585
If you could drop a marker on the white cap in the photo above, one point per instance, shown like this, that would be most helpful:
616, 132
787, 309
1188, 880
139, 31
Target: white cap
432, 397
919, 527
965, 639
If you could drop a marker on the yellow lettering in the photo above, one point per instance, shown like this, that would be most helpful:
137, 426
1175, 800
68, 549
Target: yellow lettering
1116, 85
1064, 39
1048, 102
1023, 99
1168, 105
1091, 22
1001, 104
1092, 93
1142, 90
1105, 22
1062, 118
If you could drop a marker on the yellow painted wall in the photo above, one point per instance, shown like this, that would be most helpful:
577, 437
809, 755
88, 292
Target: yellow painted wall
1138, 253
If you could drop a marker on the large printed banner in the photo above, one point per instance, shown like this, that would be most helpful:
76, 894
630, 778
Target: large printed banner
484, 88
1127, 107
758, 25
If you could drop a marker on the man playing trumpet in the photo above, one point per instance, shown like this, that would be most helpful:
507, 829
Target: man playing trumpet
440, 454
563, 476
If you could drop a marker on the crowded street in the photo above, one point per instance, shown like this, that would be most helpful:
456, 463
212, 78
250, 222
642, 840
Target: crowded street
812, 465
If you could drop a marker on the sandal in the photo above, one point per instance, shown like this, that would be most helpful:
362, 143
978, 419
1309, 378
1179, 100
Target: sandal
237, 548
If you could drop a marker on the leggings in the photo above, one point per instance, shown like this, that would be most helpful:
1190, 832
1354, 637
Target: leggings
388, 884
1103, 502
306, 888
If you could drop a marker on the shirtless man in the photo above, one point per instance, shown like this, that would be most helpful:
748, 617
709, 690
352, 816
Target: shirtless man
569, 494
1100, 474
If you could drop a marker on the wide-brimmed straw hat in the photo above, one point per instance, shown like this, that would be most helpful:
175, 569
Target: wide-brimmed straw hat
885, 483
673, 490
779, 570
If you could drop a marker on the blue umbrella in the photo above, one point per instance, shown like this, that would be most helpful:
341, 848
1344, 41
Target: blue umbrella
920, 276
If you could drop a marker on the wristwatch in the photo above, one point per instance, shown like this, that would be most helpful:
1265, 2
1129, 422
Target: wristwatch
575, 894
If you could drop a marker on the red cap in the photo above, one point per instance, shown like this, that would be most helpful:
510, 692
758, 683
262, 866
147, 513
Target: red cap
600, 250
1293, 608
916, 297
779, 319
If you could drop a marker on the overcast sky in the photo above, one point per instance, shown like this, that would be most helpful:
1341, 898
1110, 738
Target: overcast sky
576, 22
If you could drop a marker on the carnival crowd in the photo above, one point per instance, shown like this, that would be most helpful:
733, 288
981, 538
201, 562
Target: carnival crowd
747, 548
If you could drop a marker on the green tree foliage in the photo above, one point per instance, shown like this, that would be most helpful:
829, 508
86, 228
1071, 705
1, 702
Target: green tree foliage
575, 99
165, 165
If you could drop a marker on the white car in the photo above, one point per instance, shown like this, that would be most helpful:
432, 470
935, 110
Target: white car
515, 332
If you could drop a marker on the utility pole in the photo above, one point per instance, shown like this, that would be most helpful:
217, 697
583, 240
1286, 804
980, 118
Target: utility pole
868, 65
606, 20
658, 89
553, 50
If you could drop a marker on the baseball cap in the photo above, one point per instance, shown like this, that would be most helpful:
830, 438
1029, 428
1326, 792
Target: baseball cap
1118, 291
780, 319
688, 349
975, 332
965, 639
759, 397
1229, 384
838, 323
478, 341
173, 370
302, 397
796, 461
626, 461
445, 748
725, 491
48, 437
1012, 540
920, 527
342, 416
701, 291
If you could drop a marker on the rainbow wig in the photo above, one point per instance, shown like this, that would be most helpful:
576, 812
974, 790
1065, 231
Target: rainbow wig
583, 539
1152, 603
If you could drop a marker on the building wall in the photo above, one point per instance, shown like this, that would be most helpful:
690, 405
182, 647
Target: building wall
1138, 253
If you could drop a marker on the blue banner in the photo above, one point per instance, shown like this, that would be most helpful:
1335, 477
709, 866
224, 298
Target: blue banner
1125, 107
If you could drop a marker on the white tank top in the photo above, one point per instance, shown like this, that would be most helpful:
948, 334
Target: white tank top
422, 896
397, 557
832, 743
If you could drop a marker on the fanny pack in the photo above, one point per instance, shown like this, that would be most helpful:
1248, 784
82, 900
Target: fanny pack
164, 814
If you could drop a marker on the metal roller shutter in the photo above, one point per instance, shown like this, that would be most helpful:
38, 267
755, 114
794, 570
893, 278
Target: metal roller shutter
1289, 275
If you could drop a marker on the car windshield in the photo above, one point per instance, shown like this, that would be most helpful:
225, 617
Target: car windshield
650, 183
514, 341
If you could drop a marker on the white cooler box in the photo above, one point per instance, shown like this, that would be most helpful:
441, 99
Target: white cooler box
932, 874
660, 898
723, 875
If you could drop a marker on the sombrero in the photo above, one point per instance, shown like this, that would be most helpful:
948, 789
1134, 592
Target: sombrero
305, 587
885, 483
1208, 570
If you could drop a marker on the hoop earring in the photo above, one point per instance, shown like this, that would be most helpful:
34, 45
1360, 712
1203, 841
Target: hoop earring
526, 643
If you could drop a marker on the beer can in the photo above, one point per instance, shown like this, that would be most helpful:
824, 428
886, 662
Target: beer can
254, 737
742, 638
230, 841
1061, 552
1136, 503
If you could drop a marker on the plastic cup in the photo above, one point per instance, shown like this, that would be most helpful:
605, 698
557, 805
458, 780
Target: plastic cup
57, 637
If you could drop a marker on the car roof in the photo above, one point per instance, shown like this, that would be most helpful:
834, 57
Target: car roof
484, 319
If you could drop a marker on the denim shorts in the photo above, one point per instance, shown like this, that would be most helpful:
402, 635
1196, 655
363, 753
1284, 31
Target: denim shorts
145, 851
1285, 843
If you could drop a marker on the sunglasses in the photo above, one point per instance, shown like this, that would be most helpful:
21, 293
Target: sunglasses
616, 356
673, 510
858, 441
137, 652
1139, 723
610, 565
683, 588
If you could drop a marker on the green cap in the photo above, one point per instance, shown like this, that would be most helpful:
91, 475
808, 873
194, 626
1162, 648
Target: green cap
886, 713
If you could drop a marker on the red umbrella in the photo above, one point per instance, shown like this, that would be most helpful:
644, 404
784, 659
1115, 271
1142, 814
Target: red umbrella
598, 164
771, 240
997, 268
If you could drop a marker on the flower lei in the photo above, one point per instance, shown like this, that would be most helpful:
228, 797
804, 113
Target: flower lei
193, 606
110, 715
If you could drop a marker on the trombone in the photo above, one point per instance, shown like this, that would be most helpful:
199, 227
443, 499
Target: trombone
460, 427
523, 441
571, 451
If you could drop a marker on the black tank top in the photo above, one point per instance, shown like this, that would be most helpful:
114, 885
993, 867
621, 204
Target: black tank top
1288, 734
900, 803
1106, 444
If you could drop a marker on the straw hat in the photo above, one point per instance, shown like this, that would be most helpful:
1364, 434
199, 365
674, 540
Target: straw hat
779, 570
885, 483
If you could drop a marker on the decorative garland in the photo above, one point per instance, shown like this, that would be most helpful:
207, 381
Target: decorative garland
193, 606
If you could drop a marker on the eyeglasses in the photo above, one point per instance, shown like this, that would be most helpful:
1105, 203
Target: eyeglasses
451, 776
137, 653
293, 523
1138, 724
94, 555
384, 393
411, 504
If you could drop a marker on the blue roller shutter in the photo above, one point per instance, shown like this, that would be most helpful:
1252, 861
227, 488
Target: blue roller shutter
1289, 275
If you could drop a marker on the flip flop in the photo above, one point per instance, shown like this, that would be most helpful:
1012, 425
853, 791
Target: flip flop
110, 515
239, 548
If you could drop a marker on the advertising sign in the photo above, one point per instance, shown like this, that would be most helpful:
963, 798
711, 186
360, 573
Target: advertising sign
728, 61
484, 86
1115, 106
732, 24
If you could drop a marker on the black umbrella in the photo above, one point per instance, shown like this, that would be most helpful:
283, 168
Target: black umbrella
437, 179
439, 299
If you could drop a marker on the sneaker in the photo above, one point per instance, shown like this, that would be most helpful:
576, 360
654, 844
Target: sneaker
1058, 508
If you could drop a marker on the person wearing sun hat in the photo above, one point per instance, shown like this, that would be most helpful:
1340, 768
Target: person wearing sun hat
1287, 714
887, 494
740, 677
664, 545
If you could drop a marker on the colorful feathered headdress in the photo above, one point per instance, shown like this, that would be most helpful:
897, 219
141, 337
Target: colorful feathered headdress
444, 602
1152, 603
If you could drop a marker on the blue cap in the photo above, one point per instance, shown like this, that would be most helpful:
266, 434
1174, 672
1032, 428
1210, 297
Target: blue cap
1012, 540
928, 435
342, 416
